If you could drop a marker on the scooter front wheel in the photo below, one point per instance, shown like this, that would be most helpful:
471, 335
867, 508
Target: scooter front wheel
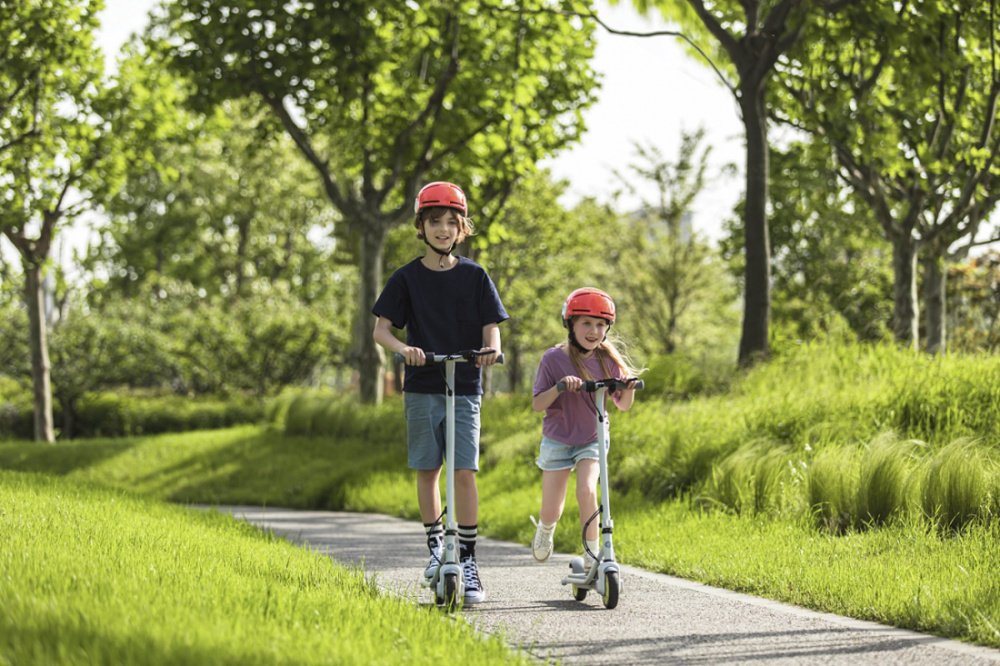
450, 601
611, 589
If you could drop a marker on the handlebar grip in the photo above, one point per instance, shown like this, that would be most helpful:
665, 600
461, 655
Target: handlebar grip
560, 387
638, 384
429, 358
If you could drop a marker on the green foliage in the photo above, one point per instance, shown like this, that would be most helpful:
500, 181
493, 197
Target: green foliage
537, 263
680, 376
675, 286
829, 266
325, 414
123, 413
115, 414
974, 304
221, 204
899, 98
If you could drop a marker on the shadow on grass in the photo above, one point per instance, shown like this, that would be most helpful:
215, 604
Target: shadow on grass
63, 458
243, 465
58, 642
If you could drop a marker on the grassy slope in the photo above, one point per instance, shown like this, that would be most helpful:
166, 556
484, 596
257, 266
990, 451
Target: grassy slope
97, 576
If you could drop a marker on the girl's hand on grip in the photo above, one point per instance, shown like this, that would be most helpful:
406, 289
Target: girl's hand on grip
570, 383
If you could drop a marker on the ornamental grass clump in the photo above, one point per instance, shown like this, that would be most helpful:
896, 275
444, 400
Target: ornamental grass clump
832, 485
885, 485
957, 486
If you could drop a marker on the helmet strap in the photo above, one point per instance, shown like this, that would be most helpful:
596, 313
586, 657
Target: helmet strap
441, 253
573, 341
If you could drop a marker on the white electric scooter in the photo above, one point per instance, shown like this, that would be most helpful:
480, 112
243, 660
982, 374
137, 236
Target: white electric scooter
447, 583
605, 575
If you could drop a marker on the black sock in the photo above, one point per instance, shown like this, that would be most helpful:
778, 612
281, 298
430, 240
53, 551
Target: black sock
435, 534
467, 541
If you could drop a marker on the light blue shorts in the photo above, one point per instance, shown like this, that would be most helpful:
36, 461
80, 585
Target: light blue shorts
554, 456
425, 424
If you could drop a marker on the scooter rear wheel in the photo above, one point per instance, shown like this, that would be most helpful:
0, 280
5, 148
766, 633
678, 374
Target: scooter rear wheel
611, 589
579, 593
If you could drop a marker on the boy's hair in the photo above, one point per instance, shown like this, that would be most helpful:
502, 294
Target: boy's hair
465, 227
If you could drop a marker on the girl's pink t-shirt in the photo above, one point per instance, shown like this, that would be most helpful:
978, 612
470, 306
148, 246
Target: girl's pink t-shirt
572, 417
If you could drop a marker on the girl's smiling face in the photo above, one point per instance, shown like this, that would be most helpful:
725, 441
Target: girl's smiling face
589, 331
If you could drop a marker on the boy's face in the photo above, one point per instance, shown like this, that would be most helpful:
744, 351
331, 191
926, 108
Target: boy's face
443, 230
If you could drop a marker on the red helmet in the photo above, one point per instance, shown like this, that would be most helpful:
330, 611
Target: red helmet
440, 193
588, 302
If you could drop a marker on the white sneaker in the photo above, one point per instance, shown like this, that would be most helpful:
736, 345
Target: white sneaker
474, 593
541, 545
588, 562
437, 552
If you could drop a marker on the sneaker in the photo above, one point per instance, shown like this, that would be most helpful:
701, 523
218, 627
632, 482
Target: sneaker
588, 562
474, 593
437, 552
541, 545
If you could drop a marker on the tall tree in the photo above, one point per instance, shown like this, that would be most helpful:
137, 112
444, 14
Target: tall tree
750, 37
905, 94
381, 96
56, 152
829, 257
673, 268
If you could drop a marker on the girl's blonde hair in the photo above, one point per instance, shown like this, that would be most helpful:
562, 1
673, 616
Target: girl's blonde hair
611, 350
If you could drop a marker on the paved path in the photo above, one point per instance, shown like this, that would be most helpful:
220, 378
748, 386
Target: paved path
659, 620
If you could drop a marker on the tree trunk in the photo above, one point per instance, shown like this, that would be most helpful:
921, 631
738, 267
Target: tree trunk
34, 299
368, 353
512, 360
754, 344
935, 282
68, 418
243, 242
904, 291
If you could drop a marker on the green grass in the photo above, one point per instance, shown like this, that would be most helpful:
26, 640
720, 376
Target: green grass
857, 480
95, 576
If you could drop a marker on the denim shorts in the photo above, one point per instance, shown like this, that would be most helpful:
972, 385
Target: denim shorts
554, 456
425, 424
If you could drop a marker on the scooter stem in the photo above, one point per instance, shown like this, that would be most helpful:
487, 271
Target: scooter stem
602, 453
449, 442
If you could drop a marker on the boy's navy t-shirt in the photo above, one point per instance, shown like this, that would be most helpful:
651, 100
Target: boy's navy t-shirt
443, 312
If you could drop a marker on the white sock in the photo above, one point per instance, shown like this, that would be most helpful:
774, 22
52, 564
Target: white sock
593, 546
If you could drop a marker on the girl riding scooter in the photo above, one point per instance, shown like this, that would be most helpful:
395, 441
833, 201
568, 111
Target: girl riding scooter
569, 431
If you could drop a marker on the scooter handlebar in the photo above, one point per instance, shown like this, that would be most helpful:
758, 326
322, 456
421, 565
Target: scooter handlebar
462, 356
611, 384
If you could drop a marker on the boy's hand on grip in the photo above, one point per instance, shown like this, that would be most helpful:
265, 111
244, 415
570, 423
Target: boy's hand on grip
413, 356
488, 357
